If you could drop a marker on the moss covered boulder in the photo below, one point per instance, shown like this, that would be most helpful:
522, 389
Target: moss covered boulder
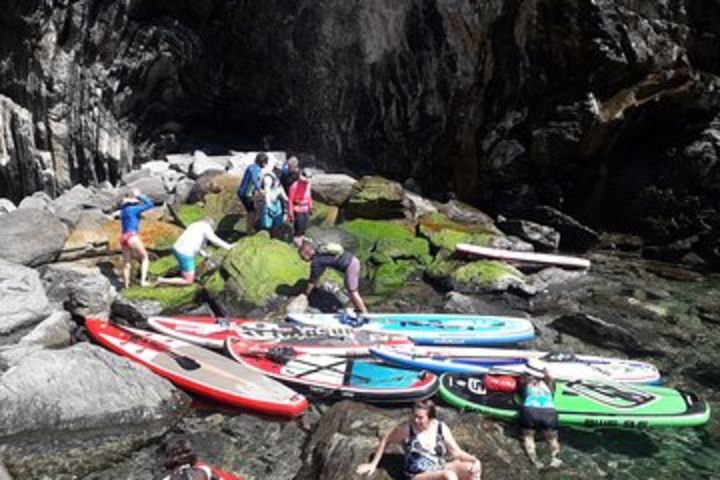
401, 248
258, 269
376, 198
171, 298
187, 214
444, 233
391, 276
366, 233
323, 215
486, 276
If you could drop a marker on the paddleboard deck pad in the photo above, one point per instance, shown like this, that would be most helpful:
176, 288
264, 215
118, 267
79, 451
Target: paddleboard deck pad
524, 257
199, 370
563, 366
431, 328
337, 377
212, 332
585, 403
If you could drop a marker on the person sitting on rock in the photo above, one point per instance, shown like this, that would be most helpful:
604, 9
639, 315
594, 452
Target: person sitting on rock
188, 245
345, 263
249, 188
183, 463
300, 205
131, 209
426, 441
538, 413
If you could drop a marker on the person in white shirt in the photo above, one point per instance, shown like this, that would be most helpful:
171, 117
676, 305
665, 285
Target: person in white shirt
188, 245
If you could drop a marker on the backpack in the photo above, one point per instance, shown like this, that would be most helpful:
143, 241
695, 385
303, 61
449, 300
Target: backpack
330, 248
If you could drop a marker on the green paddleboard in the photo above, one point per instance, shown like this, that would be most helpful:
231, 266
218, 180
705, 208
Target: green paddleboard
585, 403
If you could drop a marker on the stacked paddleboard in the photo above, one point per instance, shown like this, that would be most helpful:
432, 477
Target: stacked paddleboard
325, 340
524, 257
337, 377
584, 403
199, 370
431, 329
473, 361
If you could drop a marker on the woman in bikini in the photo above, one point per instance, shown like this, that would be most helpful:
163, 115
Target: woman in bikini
131, 209
426, 442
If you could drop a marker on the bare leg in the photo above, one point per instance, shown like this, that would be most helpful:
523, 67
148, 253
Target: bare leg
127, 265
358, 302
552, 439
187, 278
138, 249
529, 444
441, 475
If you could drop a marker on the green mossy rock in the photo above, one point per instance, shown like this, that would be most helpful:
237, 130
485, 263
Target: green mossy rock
214, 283
257, 266
407, 248
391, 276
366, 233
170, 297
163, 266
376, 198
323, 215
485, 275
188, 214
444, 233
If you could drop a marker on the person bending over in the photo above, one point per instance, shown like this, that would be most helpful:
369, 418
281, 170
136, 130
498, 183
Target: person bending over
426, 442
190, 244
131, 209
345, 263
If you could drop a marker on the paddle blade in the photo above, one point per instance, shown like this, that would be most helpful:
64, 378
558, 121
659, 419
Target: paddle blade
186, 362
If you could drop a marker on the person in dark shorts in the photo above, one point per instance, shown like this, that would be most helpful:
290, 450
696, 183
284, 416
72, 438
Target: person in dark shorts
538, 413
346, 263
300, 206
426, 442
251, 186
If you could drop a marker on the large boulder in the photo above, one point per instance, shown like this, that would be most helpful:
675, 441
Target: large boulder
156, 235
87, 238
332, 188
24, 301
376, 198
71, 411
31, 237
260, 269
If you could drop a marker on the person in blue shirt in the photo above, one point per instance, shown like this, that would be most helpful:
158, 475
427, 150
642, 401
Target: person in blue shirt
131, 209
249, 187
538, 413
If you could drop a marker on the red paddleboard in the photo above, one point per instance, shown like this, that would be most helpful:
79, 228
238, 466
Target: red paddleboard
217, 473
337, 377
340, 340
199, 370
524, 257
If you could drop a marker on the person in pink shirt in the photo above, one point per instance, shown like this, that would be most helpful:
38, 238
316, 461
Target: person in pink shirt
300, 205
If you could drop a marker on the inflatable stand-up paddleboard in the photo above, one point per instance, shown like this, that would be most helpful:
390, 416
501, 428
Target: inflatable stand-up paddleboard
430, 328
199, 370
337, 377
524, 257
212, 332
477, 361
581, 403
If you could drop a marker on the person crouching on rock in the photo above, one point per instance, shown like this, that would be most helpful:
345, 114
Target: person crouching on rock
345, 263
131, 209
426, 441
183, 463
188, 245
539, 413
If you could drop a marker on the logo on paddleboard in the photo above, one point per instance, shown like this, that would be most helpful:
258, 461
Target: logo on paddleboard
615, 396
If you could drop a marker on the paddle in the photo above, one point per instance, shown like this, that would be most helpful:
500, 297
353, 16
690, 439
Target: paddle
186, 363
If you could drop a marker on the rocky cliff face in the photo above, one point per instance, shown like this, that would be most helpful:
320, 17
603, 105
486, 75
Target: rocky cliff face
604, 109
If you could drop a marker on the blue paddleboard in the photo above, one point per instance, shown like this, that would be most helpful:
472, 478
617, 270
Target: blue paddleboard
432, 328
